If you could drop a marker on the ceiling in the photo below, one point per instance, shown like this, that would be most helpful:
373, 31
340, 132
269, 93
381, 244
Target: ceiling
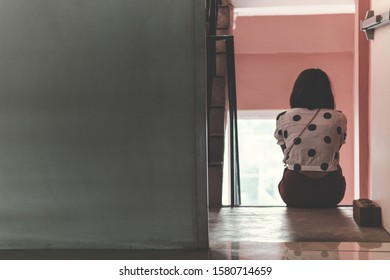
292, 7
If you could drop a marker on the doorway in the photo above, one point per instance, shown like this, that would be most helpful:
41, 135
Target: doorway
273, 45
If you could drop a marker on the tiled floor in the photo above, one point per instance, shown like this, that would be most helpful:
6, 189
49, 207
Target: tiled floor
245, 233
280, 233
300, 251
282, 224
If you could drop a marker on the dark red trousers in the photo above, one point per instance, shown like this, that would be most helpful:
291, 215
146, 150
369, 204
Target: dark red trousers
301, 191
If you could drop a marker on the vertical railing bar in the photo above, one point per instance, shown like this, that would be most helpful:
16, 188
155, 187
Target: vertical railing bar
213, 15
235, 174
231, 132
234, 94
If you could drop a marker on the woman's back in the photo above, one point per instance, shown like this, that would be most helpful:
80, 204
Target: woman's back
317, 148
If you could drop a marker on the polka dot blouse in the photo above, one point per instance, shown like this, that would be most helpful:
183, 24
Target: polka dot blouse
317, 149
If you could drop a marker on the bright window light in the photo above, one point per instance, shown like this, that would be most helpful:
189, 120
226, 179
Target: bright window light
261, 166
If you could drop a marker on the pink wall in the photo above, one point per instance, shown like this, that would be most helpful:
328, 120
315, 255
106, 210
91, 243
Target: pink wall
362, 91
272, 51
294, 34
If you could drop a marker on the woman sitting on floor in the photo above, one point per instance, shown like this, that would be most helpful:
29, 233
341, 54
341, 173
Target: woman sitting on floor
311, 134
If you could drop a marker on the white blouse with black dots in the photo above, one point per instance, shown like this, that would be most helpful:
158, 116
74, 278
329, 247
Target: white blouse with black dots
317, 149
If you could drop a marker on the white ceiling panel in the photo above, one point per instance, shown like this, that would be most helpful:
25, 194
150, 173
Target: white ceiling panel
292, 7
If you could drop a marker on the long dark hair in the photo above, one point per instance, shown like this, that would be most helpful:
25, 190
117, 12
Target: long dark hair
312, 90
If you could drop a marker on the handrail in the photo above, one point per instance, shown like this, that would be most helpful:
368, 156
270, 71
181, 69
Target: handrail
212, 38
232, 93
232, 98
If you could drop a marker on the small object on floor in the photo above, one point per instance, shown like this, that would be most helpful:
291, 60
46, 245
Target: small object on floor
367, 213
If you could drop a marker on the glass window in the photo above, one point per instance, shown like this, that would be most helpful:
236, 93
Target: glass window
261, 165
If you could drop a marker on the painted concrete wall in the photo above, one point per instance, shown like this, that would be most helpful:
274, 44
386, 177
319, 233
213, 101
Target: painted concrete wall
102, 139
295, 34
273, 50
379, 114
362, 69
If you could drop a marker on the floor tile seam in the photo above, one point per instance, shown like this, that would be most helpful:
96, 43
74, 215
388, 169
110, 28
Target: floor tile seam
277, 251
364, 251
300, 248
344, 250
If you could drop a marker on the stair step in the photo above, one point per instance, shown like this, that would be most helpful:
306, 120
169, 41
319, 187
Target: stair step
220, 64
216, 135
215, 164
226, 2
217, 106
220, 46
224, 32
215, 173
216, 149
218, 94
223, 17
217, 120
